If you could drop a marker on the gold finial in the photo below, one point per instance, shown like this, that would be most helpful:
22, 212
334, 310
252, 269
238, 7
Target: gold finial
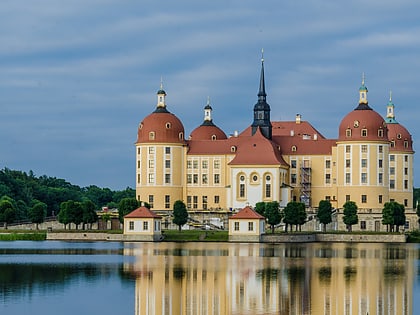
161, 83
262, 54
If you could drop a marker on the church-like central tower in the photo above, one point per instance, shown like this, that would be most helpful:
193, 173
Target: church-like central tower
262, 109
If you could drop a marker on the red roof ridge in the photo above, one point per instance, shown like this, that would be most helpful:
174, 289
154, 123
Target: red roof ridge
247, 213
142, 212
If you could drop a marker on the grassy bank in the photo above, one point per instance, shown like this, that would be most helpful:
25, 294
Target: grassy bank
414, 237
195, 236
23, 236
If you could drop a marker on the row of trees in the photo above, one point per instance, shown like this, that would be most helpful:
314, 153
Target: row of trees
294, 214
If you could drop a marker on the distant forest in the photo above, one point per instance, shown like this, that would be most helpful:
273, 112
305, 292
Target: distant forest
26, 189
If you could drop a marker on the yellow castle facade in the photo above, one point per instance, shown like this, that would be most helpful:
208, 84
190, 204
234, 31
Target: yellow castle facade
370, 163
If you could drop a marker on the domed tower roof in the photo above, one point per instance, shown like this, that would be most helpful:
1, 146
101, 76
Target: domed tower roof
161, 125
363, 123
207, 130
398, 135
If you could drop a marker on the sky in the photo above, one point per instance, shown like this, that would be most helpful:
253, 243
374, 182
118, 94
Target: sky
77, 77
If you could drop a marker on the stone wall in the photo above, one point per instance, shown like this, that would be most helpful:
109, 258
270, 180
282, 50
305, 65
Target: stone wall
336, 238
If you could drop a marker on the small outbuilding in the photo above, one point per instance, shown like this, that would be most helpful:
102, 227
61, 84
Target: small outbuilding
142, 224
246, 226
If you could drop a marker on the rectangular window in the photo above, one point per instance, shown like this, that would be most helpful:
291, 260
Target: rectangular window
364, 148
167, 178
364, 198
363, 225
380, 178
250, 226
405, 170
145, 226
151, 201
138, 178
241, 190
189, 202
364, 133
151, 163
364, 162
392, 158
405, 202
189, 164
189, 178
392, 171
327, 163
205, 164
195, 164
138, 151
204, 179
348, 178
348, 163
380, 198
347, 149
236, 226
328, 198
204, 202
364, 178
348, 133
380, 163
380, 149
151, 150
216, 199
267, 190
293, 178
167, 201
131, 225
138, 164
392, 184
405, 158
151, 178
327, 178
293, 163
195, 179
167, 163
216, 164
195, 202
167, 150
217, 178
405, 184
347, 198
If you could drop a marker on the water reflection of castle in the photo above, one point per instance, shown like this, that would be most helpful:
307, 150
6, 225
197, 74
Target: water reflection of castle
283, 279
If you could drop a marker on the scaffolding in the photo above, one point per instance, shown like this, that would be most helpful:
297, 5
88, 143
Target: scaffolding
305, 182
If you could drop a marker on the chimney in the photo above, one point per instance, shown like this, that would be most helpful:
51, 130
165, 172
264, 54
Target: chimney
292, 133
315, 136
298, 117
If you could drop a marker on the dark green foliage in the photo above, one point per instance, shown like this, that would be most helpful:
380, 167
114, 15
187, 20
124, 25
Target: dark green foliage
38, 213
125, 206
273, 214
89, 213
324, 213
393, 215
63, 215
180, 214
418, 213
294, 214
350, 214
260, 207
7, 210
25, 189
71, 212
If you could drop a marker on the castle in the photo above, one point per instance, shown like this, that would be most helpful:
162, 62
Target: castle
370, 163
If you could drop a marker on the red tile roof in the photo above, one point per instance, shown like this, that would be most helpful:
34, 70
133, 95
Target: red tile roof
142, 212
247, 213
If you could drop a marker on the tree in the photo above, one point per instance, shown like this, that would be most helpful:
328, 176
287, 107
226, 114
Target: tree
291, 213
399, 216
75, 212
301, 215
388, 216
38, 213
63, 214
418, 213
125, 206
350, 214
260, 207
89, 213
7, 210
272, 213
180, 214
324, 213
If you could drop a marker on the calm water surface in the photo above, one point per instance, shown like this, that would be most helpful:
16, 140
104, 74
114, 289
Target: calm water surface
208, 278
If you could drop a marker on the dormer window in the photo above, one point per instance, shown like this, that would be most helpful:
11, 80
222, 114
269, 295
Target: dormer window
213, 137
181, 136
406, 144
364, 132
168, 125
399, 136
232, 149
151, 135
392, 143
348, 133
294, 148
380, 133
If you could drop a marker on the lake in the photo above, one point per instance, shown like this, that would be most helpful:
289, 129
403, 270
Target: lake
52, 277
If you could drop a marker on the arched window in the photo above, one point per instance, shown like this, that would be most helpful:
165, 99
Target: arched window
233, 149
151, 135
294, 148
181, 136
241, 186
168, 125
213, 137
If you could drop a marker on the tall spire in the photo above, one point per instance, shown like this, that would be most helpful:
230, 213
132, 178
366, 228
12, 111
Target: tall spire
161, 103
390, 115
207, 112
261, 93
262, 109
363, 101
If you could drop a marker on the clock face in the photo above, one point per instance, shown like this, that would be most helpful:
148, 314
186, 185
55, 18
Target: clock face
356, 123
